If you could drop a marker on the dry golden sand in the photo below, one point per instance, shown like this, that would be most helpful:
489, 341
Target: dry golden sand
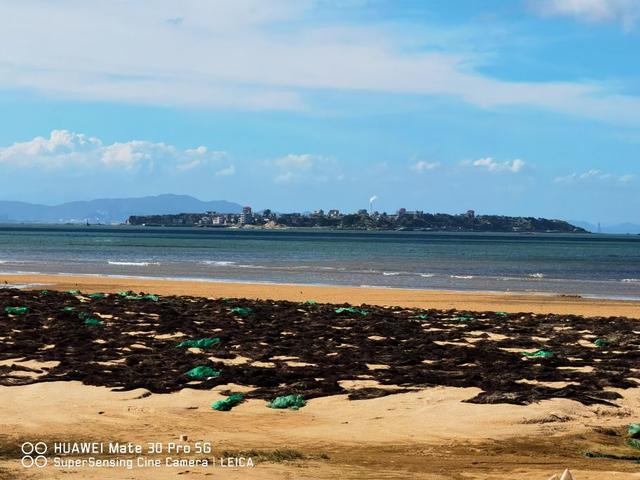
427, 434
376, 296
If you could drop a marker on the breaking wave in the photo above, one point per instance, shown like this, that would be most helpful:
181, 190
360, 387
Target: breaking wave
132, 264
217, 263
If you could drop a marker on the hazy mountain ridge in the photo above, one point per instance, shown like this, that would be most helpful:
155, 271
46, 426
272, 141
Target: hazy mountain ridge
110, 210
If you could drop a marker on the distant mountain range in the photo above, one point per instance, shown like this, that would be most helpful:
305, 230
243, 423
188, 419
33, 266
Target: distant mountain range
110, 210
620, 229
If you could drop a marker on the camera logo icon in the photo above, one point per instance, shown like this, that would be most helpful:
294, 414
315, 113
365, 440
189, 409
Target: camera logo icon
34, 455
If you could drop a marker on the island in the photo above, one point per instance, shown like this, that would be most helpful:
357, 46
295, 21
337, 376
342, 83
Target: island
402, 220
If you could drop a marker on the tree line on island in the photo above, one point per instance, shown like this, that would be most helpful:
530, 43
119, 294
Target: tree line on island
360, 220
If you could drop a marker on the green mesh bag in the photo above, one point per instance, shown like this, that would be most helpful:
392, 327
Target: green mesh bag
202, 373
94, 322
199, 343
538, 354
16, 310
132, 296
228, 403
292, 402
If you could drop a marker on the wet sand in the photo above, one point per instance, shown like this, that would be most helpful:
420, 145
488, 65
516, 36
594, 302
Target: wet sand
442, 300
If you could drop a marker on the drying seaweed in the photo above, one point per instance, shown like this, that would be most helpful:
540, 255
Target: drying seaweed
309, 349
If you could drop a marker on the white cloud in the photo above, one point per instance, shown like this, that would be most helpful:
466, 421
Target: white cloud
227, 171
60, 148
285, 177
626, 12
306, 167
422, 166
594, 175
488, 163
304, 161
65, 149
234, 54
202, 157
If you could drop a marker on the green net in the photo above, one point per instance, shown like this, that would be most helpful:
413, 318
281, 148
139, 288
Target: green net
97, 296
199, 343
601, 342
149, 296
634, 430
129, 295
310, 302
228, 403
202, 373
93, 322
242, 311
463, 318
424, 317
502, 314
16, 310
293, 402
352, 310
75, 292
538, 354
68, 309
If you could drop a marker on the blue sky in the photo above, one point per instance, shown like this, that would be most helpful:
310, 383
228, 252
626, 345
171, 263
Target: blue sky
519, 107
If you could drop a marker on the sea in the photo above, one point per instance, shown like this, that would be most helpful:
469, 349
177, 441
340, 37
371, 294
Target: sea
590, 265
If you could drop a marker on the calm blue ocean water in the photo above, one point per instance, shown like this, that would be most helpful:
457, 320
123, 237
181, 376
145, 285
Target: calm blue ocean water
596, 265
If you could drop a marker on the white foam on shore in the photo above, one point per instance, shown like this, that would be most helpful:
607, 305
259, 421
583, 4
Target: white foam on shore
217, 263
462, 277
630, 280
21, 286
536, 275
132, 264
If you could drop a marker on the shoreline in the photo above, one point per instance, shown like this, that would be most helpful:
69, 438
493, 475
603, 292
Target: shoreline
438, 299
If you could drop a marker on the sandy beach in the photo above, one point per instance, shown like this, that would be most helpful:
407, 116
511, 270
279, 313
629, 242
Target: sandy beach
443, 300
430, 433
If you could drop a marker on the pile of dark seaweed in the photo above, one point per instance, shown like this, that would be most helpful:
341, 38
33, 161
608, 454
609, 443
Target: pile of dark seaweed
400, 349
